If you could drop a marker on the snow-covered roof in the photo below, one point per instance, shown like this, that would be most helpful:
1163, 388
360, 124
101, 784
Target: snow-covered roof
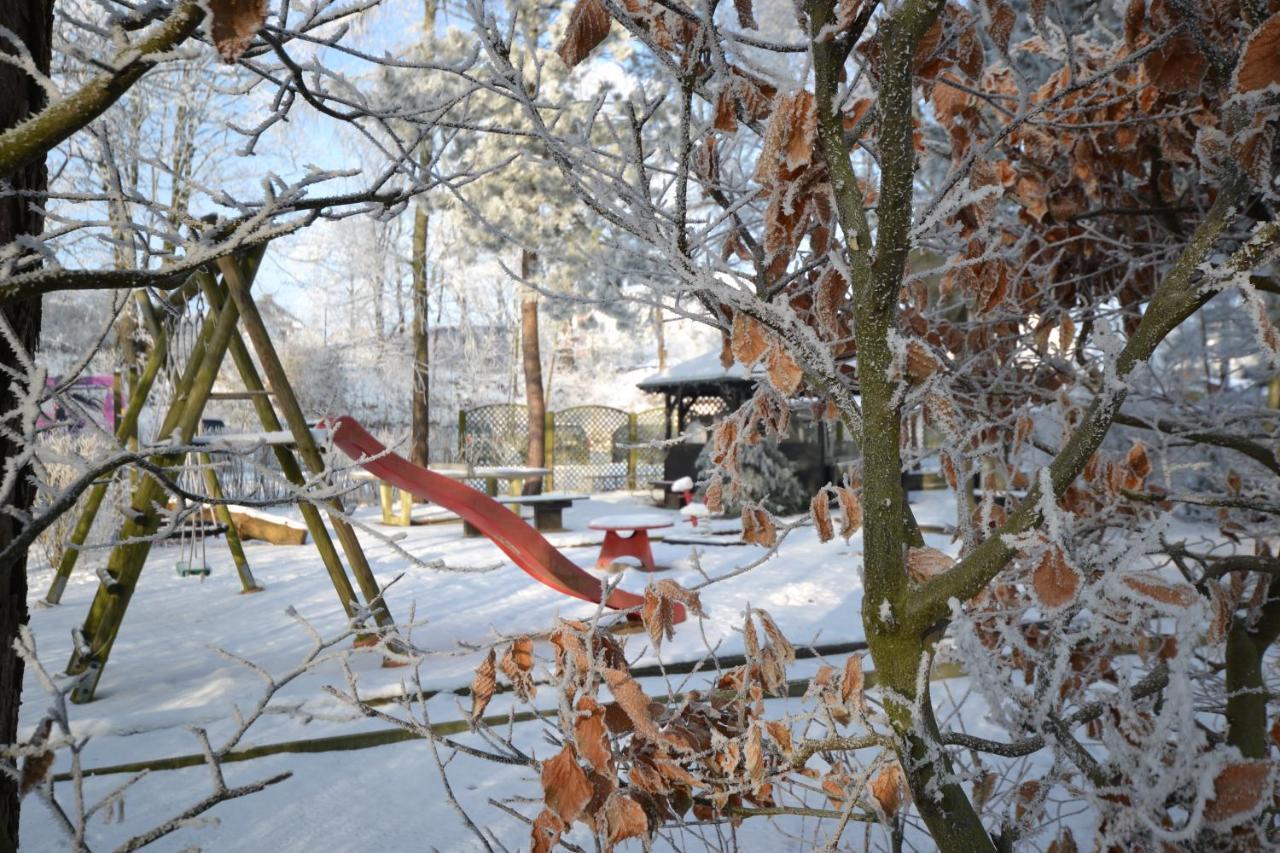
703, 368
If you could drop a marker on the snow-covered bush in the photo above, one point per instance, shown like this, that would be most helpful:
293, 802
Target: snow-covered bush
763, 475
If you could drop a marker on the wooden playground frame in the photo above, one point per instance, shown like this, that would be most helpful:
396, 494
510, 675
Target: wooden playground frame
230, 306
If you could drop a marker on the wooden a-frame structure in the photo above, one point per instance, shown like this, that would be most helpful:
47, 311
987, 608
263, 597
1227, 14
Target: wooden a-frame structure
230, 306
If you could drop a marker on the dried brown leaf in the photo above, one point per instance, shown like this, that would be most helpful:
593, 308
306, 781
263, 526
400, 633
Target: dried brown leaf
1002, 20
517, 665
591, 735
852, 683
1259, 65
545, 833
624, 818
850, 511
926, 563
588, 26
832, 290
754, 755
713, 497
1054, 580
781, 735
1239, 791
631, 698
35, 768
1137, 461
748, 339
482, 686
921, 362
1066, 333
784, 372
565, 786
758, 528
658, 613
820, 510
887, 787
1178, 596
234, 24
786, 652
1064, 843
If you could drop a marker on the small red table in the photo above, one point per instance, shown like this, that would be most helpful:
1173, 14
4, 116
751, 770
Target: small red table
635, 545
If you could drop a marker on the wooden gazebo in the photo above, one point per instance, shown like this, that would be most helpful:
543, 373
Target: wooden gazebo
702, 388
700, 382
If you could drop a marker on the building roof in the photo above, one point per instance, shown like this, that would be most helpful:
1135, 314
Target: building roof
703, 371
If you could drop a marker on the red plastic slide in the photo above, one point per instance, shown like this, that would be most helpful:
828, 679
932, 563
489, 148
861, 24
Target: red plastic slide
525, 546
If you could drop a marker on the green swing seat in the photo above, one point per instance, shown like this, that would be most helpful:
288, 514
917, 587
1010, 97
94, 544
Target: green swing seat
187, 570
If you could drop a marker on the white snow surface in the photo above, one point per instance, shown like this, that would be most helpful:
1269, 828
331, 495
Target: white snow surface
164, 677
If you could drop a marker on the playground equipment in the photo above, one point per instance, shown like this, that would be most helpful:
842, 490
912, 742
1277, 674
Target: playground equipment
634, 544
525, 546
191, 538
84, 393
229, 306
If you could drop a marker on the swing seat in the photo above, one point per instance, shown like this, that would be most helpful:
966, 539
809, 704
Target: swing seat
186, 570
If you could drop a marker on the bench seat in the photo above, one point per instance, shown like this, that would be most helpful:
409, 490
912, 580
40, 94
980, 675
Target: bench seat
548, 510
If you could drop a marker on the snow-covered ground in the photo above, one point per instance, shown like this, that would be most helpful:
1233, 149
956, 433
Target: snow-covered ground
164, 677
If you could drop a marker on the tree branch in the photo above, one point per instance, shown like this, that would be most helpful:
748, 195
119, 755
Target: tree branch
1178, 297
31, 140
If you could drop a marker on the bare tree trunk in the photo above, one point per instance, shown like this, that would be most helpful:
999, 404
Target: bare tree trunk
420, 449
661, 334
420, 403
31, 21
531, 356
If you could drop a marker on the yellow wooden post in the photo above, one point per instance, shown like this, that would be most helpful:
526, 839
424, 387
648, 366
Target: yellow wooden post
549, 450
633, 452
406, 508
384, 500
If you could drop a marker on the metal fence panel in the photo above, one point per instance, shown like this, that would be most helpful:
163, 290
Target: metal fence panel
495, 435
590, 448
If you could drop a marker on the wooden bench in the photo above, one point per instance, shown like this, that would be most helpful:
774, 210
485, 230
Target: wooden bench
548, 510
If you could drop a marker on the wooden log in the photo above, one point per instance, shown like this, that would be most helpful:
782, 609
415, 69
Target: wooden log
288, 463
126, 429
253, 524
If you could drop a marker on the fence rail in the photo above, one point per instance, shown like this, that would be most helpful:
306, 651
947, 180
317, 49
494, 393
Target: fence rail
588, 448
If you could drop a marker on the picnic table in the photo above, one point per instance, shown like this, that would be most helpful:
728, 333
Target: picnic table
515, 475
634, 545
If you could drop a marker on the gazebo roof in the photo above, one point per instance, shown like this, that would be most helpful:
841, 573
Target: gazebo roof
703, 374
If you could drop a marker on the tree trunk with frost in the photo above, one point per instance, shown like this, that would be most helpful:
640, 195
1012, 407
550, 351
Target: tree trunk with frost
31, 21
420, 447
531, 358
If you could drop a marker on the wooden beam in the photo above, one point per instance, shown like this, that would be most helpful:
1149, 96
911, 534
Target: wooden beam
223, 514
288, 463
307, 448
240, 395
125, 564
126, 429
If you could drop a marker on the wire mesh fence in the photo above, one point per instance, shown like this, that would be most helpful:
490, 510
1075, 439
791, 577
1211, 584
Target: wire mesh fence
589, 448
